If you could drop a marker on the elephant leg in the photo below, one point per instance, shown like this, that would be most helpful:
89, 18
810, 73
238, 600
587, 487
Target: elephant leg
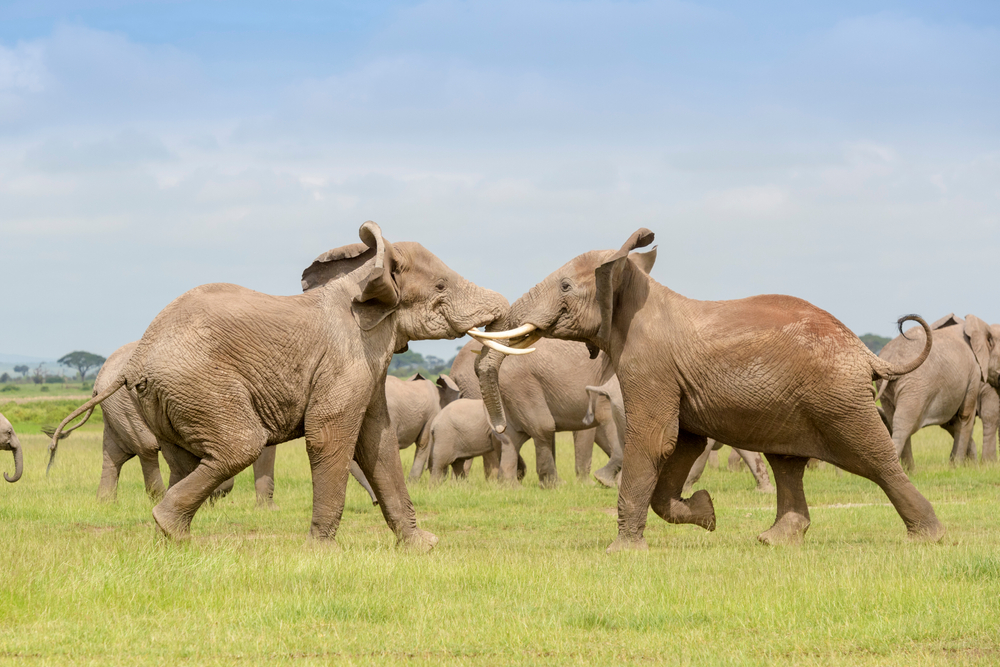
583, 449
963, 428
608, 440
442, 457
758, 468
222, 490
422, 455
458, 469
734, 460
713, 458
491, 465
906, 456
863, 447
545, 459
174, 513
263, 477
360, 478
698, 467
180, 461
675, 471
989, 412
905, 422
511, 462
649, 440
377, 453
114, 458
151, 475
792, 518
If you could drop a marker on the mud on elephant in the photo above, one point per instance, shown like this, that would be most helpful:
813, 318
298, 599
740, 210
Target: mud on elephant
223, 372
769, 373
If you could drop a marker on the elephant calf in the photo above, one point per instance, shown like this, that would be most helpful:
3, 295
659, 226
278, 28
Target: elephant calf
8, 440
459, 433
413, 405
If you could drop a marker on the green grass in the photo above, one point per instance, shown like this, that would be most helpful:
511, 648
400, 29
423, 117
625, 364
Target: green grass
29, 417
12, 390
519, 576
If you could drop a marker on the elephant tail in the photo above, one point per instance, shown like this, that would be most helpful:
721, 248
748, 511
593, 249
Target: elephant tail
592, 394
87, 407
883, 370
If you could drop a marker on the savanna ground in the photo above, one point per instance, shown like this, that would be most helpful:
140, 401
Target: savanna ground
519, 576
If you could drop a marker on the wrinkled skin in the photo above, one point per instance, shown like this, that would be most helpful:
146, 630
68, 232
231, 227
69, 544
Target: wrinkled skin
223, 372
770, 373
459, 433
958, 380
9, 442
126, 436
544, 393
413, 405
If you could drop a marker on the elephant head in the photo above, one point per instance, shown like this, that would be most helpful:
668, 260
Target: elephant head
407, 287
8, 440
984, 339
576, 302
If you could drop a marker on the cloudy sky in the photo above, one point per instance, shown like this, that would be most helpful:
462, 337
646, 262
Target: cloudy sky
847, 153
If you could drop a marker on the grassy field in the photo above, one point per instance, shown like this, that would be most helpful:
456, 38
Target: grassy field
519, 577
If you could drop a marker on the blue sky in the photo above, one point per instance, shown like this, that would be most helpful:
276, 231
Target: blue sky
847, 153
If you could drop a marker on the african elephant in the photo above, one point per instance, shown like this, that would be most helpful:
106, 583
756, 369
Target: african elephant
459, 433
611, 391
771, 373
413, 405
543, 393
948, 389
9, 441
223, 372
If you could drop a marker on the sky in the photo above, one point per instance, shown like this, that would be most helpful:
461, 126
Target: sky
847, 153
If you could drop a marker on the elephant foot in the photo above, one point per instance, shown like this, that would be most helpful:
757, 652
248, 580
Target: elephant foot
932, 533
606, 478
419, 540
627, 544
267, 504
766, 488
107, 497
549, 481
170, 525
698, 510
789, 529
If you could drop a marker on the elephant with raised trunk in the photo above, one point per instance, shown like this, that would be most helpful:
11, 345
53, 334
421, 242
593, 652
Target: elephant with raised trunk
9, 441
771, 373
223, 372
957, 381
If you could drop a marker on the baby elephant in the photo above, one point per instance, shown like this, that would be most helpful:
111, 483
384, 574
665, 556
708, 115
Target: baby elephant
8, 440
460, 432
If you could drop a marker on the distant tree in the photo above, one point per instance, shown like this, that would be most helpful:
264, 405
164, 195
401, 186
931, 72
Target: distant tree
873, 342
23, 370
40, 373
4, 378
82, 362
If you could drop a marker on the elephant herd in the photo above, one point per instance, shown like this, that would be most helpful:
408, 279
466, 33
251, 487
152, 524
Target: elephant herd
223, 374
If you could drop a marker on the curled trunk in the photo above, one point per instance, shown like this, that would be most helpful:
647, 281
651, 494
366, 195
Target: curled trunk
18, 462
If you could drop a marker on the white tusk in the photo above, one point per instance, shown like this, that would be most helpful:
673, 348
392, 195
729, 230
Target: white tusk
500, 335
503, 348
530, 340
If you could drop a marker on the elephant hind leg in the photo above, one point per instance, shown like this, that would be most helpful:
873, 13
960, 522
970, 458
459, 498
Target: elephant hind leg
114, 458
151, 475
792, 518
666, 500
545, 459
758, 469
263, 478
583, 451
698, 467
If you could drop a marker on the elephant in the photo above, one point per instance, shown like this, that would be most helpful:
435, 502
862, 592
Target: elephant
958, 380
772, 373
413, 405
126, 435
459, 433
223, 371
544, 393
611, 391
9, 441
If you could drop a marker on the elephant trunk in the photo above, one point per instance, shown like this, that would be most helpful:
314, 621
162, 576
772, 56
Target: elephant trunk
488, 368
15, 445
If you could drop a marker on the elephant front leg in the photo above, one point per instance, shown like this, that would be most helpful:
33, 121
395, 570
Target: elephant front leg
675, 471
378, 455
792, 518
545, 459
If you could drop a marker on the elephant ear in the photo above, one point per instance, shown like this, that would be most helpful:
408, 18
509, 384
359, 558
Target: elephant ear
608, 276
644, 260
448, 391
334, 264
948, 320
416, 378
980, 339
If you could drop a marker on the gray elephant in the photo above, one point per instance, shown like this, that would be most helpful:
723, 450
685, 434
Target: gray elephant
413, 405
544, 393
459, 433
611, 391
948, 389
9, 441
223, 372
770, 373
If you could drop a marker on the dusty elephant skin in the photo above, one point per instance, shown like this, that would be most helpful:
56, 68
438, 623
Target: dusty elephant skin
224, 371
957, 381
9, 441
544, 393
768, 373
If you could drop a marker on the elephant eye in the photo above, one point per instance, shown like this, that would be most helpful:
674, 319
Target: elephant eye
567, 285
441, 286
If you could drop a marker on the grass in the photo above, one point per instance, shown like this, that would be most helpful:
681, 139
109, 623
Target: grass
19, 391
519, 577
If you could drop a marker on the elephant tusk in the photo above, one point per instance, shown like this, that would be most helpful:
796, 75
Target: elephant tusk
529, 340
499, 347
500, 335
